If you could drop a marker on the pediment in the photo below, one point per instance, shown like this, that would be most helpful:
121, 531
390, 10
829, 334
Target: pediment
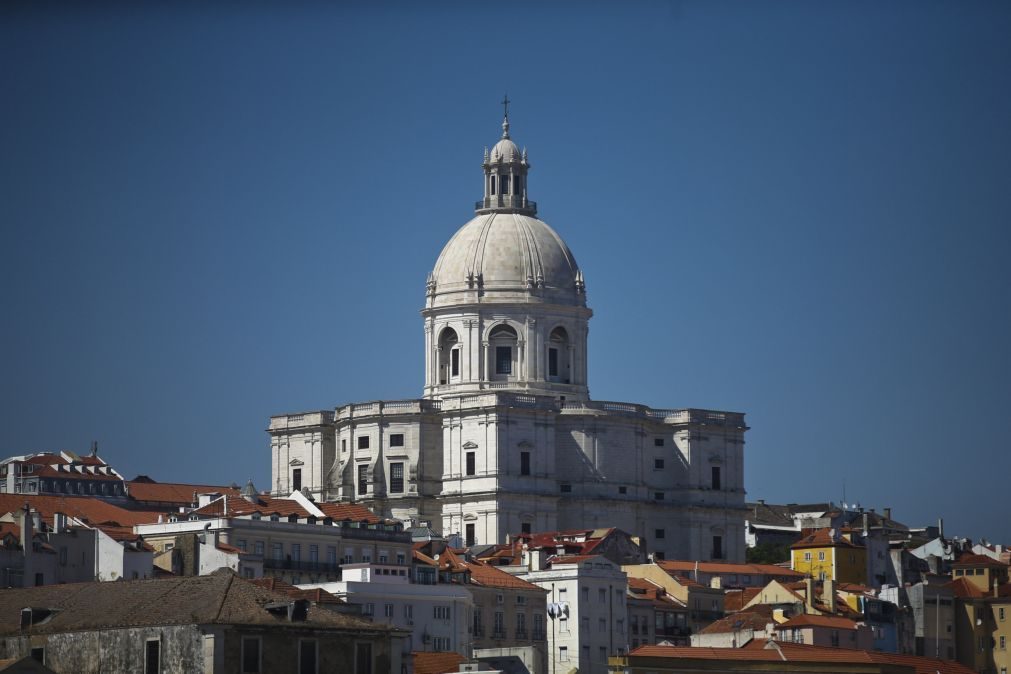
295, 462
470, 444
525, 444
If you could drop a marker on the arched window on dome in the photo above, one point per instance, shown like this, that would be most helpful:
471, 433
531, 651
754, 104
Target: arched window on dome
449, 356
558, 356
502, 342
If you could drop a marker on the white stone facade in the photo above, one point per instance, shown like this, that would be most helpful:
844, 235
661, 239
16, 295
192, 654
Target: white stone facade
506, 438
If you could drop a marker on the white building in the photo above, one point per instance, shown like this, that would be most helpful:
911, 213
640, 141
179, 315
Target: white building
438, 616
587, 608
506, 438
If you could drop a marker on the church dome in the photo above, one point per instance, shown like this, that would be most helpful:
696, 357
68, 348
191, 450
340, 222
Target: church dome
505, 151
508, 253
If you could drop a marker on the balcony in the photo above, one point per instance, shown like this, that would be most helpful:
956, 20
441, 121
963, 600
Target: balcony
511, 201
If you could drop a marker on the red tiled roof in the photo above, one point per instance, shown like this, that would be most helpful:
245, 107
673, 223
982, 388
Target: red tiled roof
810, 620
487, 575
755, 618
822, 538
318, 595
966, 590
172, 493
758, 650
970, 559
682, 567
735, 600
436, 663
570, 559
237, 506
90, 510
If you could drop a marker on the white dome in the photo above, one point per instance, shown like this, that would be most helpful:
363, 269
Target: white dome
505, 150
505, 254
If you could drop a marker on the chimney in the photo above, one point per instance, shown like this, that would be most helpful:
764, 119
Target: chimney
828, 595
940, 527
865, 526
888, 513
809, 595
59, 523
27, 536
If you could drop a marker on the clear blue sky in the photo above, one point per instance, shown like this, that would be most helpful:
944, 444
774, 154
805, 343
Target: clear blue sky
213, 213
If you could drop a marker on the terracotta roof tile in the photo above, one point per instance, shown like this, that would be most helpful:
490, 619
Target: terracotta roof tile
970, 559
966, 590
172, 494
90, 510
822, 538
758, 650
682, 567
487, 575
429, 662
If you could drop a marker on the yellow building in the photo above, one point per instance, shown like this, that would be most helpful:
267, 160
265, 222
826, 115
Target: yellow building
982, 613
830, 554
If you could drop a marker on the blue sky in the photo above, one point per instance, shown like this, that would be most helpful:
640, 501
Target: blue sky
797, 210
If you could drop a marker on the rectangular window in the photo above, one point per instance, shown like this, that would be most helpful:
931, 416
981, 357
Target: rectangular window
152, 656
363, 442
258, 548
658, 442
397, 477
658, 464
314, 553
658, 496
241, 544
296, 479
521, 625
821, 555
493, 184
388, 610
307, 656
251, 655
505, 184
470, 540
409, 611
499, 624
525, 527
363, 658
563, 654
331, 554
622, 490
807, 556
296, 552
471, 463
601, 624
565, 488
524, 463
396, 440
504, 359
454, 363
1003, 642
716, 477
1000, 613
442, 612
602, 595
717, 547
369, 609
363, 479
277, 550
552, 362
659, 533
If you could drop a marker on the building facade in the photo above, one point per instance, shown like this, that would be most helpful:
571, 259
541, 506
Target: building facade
505, 438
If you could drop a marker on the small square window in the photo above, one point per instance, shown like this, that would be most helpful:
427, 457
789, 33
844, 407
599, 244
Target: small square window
659, 533
658, 464
566, 488
658, 442
397, 440
363, 442
658, 496
622, 490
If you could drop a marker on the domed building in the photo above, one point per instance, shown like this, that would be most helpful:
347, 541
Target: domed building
505, 438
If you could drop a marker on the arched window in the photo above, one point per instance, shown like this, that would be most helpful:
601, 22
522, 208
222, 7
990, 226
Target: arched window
558, 356
502, 341
449, 356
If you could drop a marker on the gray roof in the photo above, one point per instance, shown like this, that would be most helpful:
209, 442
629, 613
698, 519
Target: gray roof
221, 598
